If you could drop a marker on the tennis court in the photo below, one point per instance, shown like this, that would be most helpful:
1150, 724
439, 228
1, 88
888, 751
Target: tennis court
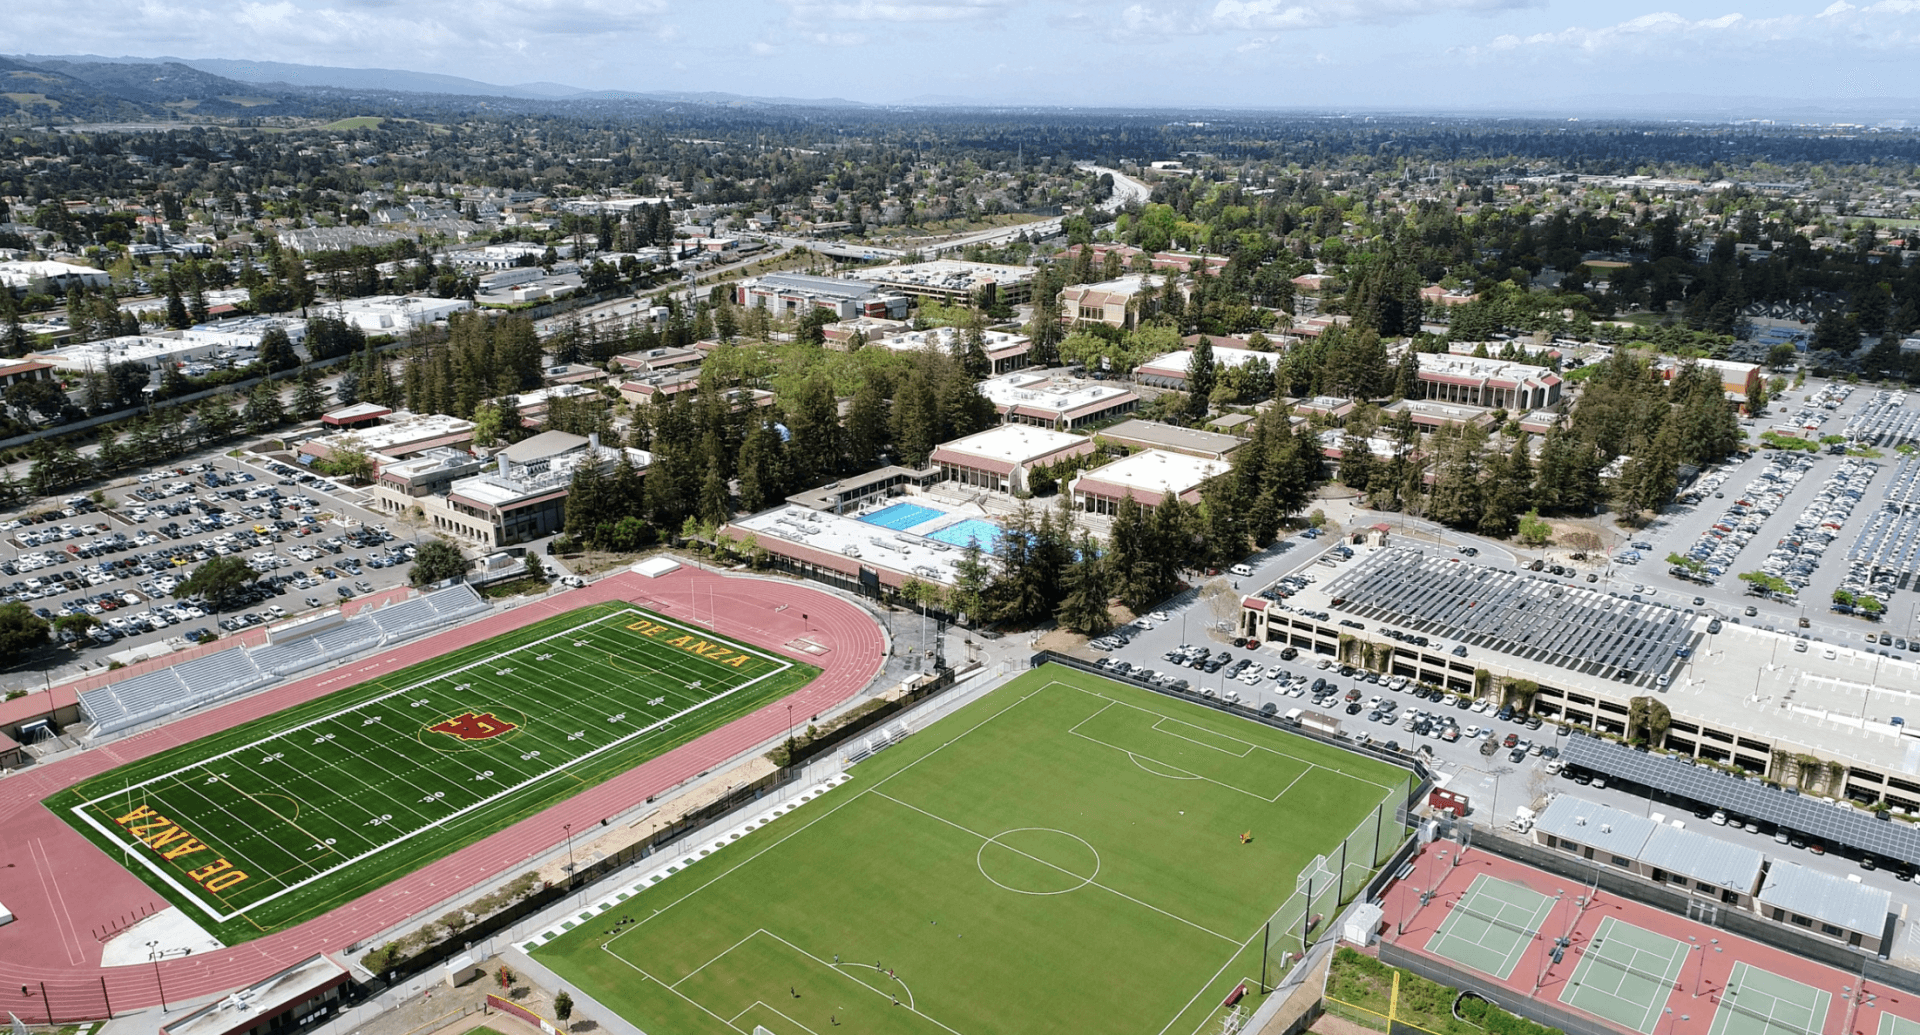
902, 516
1490, 926
972, 530
1893, 1024
1626, 975
1760, 1002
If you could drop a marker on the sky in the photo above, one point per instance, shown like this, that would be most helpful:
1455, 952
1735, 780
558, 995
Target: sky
1428, 55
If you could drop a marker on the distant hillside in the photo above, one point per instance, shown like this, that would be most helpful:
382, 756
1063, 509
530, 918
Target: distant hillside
171, 86
393, 79
43, 93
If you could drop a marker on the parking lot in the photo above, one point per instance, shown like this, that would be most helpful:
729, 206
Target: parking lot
121, 561
1807, 535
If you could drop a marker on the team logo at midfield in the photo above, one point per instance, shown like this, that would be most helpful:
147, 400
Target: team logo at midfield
468, 726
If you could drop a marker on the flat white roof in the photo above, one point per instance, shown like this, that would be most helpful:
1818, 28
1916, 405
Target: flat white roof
402, 429
1014, 443
873, 545
1223, 356
1158, 471
1039, 391
946, 273
134, 348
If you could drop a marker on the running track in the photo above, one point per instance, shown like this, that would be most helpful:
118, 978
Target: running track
62, 888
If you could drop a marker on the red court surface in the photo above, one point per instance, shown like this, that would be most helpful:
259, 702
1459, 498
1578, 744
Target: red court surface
63, 890
1695, 994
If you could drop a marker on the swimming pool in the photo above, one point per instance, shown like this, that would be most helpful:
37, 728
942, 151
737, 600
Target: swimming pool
902, 516
960, 533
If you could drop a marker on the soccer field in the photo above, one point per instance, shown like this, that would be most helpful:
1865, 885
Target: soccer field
271, 823
1066, 854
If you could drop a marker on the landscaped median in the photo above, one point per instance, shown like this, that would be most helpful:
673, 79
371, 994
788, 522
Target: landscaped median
1367, 992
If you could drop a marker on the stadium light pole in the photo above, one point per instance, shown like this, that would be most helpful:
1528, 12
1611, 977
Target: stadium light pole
153, 956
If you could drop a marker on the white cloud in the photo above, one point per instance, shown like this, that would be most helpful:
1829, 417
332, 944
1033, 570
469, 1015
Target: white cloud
1315, 14
1883, 26
356, 33
816, 11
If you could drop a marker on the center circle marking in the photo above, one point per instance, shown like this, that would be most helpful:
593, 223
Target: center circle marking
980, 860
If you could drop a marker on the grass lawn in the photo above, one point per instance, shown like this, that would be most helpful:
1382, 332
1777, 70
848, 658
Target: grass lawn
1065, 854
278, 820
355, 122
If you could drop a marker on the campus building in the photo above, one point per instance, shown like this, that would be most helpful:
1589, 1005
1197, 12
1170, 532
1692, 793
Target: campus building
953, 282
799, 293
1151, 434
521, 494
1147, 477
1170, 370
1492, 383
999, 459
1109, 302
1061, 403
1005, 352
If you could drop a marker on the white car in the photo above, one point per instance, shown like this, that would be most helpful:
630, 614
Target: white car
1159, 616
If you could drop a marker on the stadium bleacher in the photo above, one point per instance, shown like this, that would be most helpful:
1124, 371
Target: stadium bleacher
212, 677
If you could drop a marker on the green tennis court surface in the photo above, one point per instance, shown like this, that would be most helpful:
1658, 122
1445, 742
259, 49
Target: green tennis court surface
270, 823
1064, 854
1489, 927
1760, 1002
1626, 975
1891, 1024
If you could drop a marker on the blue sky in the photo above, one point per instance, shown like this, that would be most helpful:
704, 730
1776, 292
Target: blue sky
1414, 54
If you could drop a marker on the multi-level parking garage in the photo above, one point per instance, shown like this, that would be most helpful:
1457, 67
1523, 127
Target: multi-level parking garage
1749, 698
1538, 618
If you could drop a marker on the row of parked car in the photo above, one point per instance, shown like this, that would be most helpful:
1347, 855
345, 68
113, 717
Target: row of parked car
1799, 552
1715, 550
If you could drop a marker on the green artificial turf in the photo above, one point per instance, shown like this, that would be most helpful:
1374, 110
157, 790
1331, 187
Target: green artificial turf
328, 800
1065, 854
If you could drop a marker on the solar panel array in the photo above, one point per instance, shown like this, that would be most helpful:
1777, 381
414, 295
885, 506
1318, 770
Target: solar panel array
1750, 799
1531, 617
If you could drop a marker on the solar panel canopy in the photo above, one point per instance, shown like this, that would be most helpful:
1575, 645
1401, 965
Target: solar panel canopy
1828, 824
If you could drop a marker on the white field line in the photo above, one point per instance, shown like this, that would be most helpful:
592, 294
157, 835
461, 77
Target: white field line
83, 810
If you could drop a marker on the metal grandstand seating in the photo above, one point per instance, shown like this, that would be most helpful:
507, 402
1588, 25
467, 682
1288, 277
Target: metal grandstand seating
187, 685
428, 612
210, 678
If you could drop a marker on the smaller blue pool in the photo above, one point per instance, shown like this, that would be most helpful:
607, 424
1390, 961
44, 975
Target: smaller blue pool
961, 533
902, 516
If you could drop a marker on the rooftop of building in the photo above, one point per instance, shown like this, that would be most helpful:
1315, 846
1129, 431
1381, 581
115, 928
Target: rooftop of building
401, 428
1155, 434
1826, 897
807, 282
847, 536
946, 273
1746, 691
1699, 857
1433, 409
1602, 827
1484, 368
953, 339
1014, 443
1048, 392
1178, 363
1158, 471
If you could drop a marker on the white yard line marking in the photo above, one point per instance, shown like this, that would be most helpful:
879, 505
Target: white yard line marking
84, 809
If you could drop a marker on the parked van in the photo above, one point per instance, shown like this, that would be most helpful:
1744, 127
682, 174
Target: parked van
1242, 571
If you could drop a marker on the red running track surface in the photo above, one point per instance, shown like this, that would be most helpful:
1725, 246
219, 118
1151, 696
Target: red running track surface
62, 888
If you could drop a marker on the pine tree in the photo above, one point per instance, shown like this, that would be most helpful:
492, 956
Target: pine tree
1201, 377
308, 399
1088, 586
716, 505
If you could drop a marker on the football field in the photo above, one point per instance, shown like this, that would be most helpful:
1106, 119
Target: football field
270, 823
1066, 854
